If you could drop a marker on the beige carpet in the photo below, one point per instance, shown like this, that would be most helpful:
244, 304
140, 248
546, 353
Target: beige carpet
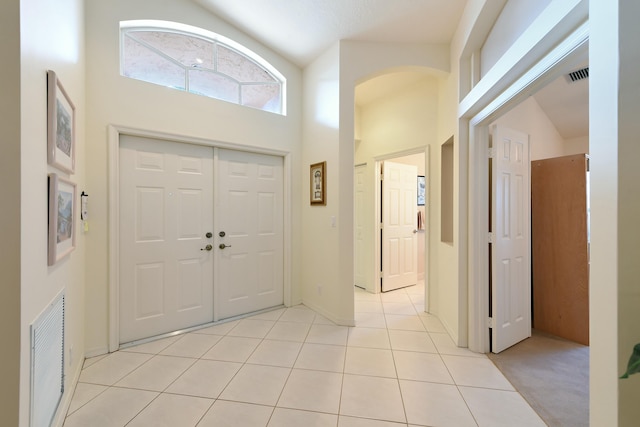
552, 374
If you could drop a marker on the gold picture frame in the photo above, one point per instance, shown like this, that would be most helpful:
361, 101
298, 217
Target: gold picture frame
318, 184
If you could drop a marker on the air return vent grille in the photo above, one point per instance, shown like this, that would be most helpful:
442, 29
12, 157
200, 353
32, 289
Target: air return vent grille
581, 74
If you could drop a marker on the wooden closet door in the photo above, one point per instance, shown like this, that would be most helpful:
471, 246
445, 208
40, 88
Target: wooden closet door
560, 247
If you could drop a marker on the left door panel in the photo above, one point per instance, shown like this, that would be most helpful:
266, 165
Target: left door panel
166, 211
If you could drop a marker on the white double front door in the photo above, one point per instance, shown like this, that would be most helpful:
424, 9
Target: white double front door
189, 254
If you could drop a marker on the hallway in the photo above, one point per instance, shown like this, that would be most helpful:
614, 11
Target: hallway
293, 367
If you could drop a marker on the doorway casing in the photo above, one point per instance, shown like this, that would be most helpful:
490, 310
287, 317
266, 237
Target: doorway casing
113, 136
476, 112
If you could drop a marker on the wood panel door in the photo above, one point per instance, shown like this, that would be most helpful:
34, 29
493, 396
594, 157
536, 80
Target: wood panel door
560, 247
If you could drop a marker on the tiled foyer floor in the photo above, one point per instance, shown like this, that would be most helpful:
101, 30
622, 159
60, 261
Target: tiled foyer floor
292, 367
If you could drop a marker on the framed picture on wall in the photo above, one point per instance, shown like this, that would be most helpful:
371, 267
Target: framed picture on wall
318, 183
421, 190
61, 126
62, 220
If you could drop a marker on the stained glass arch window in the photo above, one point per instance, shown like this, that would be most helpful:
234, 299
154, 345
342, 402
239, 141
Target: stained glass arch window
200, 62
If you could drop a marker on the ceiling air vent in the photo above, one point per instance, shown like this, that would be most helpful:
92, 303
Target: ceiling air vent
574, 76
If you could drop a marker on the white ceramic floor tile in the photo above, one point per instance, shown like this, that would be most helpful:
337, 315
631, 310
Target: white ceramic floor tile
445, 345
321, 357
269, 315
432, 404
328, 334
171, 410
367, 307
368, 337
115, 407
292, 418
289, 331
156, 374
206, 378
399, 295
276, 353
411, 341
476, 372
404, 322
257, 384
432, 323
235, 414
232, 349
153, 347
191, 345
321, 320
370, 361
298, 314
498, 408
219, 329
113, 368
92, 360
371, 397
312, 391
252, 328
362, 295
405, 308
83, 394
370, 320
418, 366
364, 422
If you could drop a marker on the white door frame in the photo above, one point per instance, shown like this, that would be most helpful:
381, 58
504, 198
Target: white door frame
113, 171
426, 235
478, 114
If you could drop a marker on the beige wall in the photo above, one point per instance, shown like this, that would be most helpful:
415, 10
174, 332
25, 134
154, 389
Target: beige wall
52, 37
10, 212
115, 100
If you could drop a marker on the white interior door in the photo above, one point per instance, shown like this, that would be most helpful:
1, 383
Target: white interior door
399, 217
511, 247
249, 232
361, 265
166, 210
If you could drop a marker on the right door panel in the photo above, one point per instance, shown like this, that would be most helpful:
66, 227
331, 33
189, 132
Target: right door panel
249, 225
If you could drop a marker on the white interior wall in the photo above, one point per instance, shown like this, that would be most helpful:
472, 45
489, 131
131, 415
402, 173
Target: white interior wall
320, 276
515, 18
405, 120
576, 145
615, 207
544, 140
10, 212
51, 37
355, 62
116, 100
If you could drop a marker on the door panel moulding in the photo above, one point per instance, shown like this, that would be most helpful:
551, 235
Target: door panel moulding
477, 111
113, 135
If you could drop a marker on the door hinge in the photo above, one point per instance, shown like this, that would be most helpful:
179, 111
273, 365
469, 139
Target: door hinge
491, 323
491, 153
381, 226
490, 237
381, 177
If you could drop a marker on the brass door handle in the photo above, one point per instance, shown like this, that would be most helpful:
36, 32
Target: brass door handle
222, 246
207, 248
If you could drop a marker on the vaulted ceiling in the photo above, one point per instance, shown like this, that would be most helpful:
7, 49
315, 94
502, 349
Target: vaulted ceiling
301, 30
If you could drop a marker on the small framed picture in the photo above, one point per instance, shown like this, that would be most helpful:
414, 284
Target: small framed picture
421, 190
61, 126
62, 218
318, 184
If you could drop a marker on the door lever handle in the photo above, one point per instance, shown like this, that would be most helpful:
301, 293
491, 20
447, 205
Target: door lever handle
207, 248
222, 246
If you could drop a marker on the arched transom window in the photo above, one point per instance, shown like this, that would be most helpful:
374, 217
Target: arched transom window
200, 62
